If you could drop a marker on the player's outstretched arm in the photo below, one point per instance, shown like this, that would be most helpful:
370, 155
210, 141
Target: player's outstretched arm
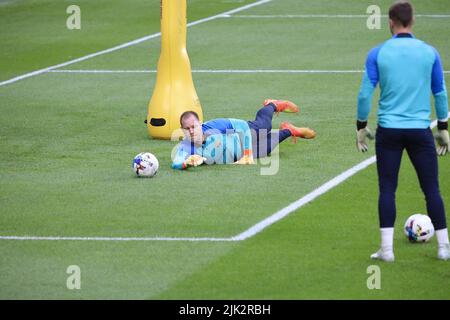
178, 162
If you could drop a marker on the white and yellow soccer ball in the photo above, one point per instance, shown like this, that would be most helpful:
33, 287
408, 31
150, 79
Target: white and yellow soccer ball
419, 228
145, 164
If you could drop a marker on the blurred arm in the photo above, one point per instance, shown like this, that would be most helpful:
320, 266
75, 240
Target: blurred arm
368, 85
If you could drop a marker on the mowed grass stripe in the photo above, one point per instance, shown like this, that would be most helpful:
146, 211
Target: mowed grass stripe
124, 45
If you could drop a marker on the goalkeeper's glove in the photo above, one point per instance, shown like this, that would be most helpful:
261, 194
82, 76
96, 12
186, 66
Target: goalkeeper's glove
362, 134
247, 158
442, 139
194, 160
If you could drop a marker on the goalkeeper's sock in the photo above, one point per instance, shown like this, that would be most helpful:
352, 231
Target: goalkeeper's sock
442, 236
387, 239
443, 244
444, 252
386, 253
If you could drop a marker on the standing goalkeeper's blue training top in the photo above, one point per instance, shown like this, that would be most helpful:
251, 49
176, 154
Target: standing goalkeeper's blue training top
405, 96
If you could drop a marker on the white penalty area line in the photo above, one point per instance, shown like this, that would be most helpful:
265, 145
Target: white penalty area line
250, 232
34, 238
237, 71
257, 228
331, 16
209, 71
127, 44
260, 226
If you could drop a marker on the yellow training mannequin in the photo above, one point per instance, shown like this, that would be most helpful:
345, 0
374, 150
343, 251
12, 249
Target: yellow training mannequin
174, 91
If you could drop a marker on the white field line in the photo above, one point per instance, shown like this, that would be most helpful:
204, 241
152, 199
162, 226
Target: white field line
257, 228
214, 71
260, 226
127, 44
50, 238
332, 16
211, 71
100, 71
242, 236
250, 232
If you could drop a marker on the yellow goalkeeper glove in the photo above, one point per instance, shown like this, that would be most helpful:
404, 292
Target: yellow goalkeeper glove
194, 160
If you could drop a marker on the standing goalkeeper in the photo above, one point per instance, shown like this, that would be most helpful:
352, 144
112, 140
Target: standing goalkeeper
408, 70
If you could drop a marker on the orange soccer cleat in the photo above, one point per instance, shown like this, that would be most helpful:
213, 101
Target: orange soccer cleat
282, 105
296, 132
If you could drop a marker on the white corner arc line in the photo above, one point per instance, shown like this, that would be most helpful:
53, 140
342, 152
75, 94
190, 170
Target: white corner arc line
250, 232
127, 44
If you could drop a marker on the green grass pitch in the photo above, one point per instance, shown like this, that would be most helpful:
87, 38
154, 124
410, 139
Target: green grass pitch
67, 141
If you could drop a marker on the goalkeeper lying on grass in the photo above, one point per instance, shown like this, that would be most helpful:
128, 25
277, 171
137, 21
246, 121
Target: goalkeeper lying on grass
233, 140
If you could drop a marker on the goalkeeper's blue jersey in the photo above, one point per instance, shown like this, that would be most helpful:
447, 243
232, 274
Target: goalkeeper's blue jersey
217, 149
408, 71
226, 140
221, 125
228, 126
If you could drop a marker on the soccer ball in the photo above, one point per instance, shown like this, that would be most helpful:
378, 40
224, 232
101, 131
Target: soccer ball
145, 164
418, 228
